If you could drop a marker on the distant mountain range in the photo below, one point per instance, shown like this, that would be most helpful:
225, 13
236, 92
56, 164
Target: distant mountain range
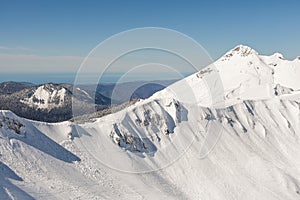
12, 87
53, 102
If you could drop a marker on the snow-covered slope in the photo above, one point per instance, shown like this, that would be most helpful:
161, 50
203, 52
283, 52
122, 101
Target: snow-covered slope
47, 161
245, 75
230, 131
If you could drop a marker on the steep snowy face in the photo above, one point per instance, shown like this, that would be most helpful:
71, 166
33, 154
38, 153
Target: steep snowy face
147, 126
257, 150
245, 75
47, 96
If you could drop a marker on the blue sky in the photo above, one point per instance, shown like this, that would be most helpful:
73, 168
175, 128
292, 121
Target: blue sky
66, 30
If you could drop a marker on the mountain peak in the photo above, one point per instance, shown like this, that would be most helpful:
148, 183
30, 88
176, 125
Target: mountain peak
47, 96
243, 50
240, 50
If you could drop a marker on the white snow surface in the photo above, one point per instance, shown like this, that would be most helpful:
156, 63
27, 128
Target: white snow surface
46, 97
230, 131
286, 72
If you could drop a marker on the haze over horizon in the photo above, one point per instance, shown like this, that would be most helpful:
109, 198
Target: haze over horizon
42, 37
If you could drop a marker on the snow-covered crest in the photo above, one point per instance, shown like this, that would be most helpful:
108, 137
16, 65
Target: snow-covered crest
240, 50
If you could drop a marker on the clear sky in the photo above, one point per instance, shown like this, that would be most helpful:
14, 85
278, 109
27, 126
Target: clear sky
43, 33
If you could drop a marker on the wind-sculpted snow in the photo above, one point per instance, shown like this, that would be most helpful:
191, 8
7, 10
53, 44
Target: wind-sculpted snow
142, 128
7, 189
14, 128
257, 151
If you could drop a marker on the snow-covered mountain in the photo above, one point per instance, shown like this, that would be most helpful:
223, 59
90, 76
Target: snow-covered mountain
47, 102
247, 75
46, 97
230, 131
